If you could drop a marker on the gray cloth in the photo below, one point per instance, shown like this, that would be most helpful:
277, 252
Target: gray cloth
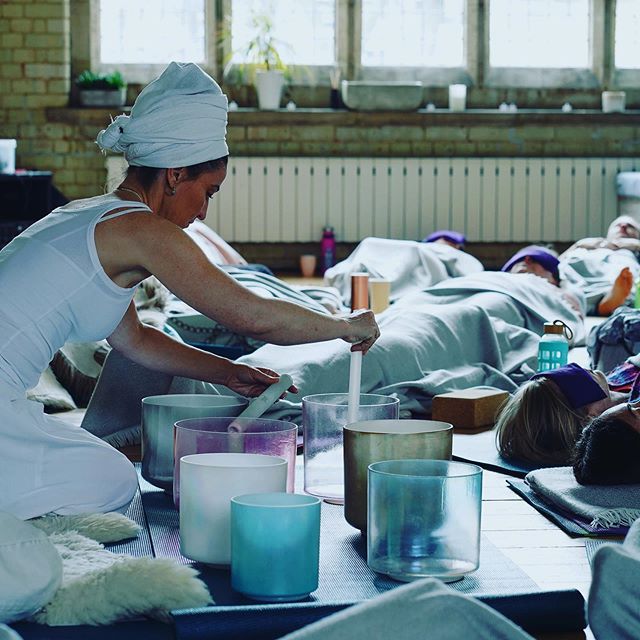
417, 611
593, 271
409, 266
479, 330
605, 506
612, 608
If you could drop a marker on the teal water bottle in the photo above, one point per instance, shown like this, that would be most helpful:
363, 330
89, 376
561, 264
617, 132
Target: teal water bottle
553, 350
636, 299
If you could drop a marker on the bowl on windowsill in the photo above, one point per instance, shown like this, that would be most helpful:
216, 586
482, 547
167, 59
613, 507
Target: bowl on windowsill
366, 95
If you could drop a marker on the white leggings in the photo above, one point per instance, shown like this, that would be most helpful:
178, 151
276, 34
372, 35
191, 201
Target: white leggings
50, 466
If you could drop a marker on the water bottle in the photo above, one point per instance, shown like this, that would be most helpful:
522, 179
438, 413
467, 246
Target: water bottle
553, 350
636, 299
328, 248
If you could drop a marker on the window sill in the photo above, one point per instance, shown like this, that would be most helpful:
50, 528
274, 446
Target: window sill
343, 117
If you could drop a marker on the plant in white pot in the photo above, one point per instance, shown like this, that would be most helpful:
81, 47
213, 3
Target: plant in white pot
261, 63
101, 90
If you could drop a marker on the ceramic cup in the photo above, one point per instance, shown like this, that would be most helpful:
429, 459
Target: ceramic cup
208, 482
235, 435
323, 418
613, 101
159, 414
424, 519
379, 293
457, 97
374, 440
308, 264
275, 545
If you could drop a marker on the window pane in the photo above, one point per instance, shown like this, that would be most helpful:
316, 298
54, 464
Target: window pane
539, 33
304, 30
143, 32
627, 34
413, 33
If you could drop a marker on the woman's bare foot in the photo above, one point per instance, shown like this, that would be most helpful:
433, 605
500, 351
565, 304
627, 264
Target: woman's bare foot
619, 293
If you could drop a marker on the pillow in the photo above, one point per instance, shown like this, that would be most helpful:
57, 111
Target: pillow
51, 393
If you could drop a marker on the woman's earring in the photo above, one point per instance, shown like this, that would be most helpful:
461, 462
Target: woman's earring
173, 191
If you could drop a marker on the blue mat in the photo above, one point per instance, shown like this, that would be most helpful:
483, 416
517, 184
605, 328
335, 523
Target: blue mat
345, 579
480, 448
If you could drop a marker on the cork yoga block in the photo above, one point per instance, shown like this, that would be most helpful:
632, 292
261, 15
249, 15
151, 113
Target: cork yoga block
468, 408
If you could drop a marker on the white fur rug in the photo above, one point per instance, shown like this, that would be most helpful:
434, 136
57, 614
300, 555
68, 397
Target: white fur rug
100, 587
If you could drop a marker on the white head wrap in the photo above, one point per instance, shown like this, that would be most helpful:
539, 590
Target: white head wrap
178, 120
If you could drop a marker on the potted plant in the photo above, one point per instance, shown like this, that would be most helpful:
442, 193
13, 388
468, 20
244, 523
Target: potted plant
101, 90
261, 64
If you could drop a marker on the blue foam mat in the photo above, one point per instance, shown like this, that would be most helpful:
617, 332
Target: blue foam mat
345, 579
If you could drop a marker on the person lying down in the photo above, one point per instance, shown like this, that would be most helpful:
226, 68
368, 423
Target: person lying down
481, 329
605, 269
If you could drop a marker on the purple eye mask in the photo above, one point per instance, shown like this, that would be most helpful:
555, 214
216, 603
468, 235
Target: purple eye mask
451, 236
576, 384
539, 255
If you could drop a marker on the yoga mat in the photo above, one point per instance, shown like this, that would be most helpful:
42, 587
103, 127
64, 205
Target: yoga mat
480, 449
346, 579
575, 526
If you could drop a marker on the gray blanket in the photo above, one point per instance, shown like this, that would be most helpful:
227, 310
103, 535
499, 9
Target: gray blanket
477, 330
410, 266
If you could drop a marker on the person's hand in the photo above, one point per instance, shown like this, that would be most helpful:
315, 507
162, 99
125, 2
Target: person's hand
632, 244
251, 381
363, 330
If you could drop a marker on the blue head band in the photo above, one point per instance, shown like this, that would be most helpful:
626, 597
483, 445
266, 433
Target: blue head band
538, 254
576, 384
445, 234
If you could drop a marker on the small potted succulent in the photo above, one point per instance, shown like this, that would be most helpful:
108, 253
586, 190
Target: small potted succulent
101, 90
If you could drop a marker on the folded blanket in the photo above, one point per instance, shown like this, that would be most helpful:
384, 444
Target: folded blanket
603, 506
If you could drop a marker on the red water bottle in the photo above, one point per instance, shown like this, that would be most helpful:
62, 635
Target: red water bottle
328, 249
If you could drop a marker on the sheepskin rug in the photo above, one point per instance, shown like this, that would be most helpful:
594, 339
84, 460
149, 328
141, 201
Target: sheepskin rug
100, 587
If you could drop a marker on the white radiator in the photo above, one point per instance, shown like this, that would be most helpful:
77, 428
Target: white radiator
489, 199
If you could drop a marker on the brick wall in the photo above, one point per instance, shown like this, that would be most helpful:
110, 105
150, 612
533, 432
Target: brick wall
35, 84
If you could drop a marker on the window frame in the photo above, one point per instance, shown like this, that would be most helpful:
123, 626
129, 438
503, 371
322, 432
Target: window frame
476, 72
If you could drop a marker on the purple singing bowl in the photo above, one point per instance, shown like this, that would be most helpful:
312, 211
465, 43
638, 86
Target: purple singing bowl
234, 435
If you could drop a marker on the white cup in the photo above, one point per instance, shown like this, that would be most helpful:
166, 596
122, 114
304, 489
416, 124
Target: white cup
457, 97
613, 101
208, 481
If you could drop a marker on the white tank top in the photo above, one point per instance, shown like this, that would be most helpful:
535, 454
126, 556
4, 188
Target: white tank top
54, 288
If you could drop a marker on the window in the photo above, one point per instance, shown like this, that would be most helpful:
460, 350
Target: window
413, 33
627, 47
173, 30
487, 44
303, 29
539, 33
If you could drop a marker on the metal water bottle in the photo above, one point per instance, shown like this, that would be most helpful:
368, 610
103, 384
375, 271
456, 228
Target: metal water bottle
328, 248
553, 350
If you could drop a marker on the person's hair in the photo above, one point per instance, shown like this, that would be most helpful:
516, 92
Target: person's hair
607, 452
146, 176
537, 425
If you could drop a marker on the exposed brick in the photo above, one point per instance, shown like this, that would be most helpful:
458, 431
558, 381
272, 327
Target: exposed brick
24, 55
39, 26
28, 86
12, 10
235, 134
268, 133
42, 10
13, 40
56, 26
11, 71
446, 133
43, 41
20, 25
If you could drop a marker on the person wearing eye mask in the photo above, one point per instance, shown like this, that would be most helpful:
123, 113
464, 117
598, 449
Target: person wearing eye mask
543, 420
